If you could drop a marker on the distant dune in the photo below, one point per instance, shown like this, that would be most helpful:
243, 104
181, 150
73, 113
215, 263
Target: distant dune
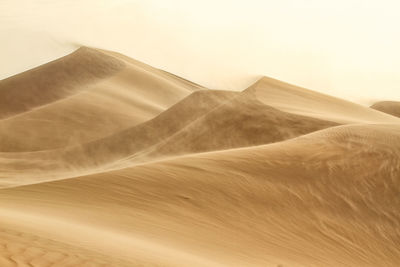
389, 107
240, 122
70, 100
206, 120
301, 101
106, 161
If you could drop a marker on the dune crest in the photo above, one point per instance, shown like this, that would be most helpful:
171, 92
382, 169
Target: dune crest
294, 99
55, 80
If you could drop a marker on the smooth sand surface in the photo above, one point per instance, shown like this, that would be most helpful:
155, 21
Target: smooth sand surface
299, 100
116, 163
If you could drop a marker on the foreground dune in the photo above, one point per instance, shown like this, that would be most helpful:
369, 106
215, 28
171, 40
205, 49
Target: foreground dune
288, 203
106, 161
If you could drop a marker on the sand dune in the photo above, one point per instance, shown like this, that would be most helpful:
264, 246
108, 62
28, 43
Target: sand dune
389, 107
106, 161
55, 80
240, 122
204, 121
82, 97
301, 101
263, 206
81, 158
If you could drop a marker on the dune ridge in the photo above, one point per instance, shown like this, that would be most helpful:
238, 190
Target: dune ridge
107, 161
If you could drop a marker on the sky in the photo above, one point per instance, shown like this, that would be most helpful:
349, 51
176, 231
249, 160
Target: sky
345, 48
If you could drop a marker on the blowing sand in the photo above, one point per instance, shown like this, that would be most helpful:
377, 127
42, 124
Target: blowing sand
105, 161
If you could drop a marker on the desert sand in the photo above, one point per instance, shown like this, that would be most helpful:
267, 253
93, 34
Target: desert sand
106, 161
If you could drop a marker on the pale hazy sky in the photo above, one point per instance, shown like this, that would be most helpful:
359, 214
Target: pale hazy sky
346, 48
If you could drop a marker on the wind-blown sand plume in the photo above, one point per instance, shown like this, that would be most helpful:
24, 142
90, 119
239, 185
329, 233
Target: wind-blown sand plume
309, 201
55, 80
240, 122
301, 101
79, 159
203, 121
84, 96
389, 107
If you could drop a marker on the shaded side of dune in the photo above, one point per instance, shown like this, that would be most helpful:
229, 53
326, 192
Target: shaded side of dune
82, 97
84, 157
389, 107
55, 80
203, 121
241, 122
133, 141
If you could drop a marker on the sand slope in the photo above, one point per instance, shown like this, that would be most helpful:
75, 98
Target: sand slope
301, 101
55, 80
84, 96
85, 157
106, 161
243, 121
389, 107
287, 203
206, 120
